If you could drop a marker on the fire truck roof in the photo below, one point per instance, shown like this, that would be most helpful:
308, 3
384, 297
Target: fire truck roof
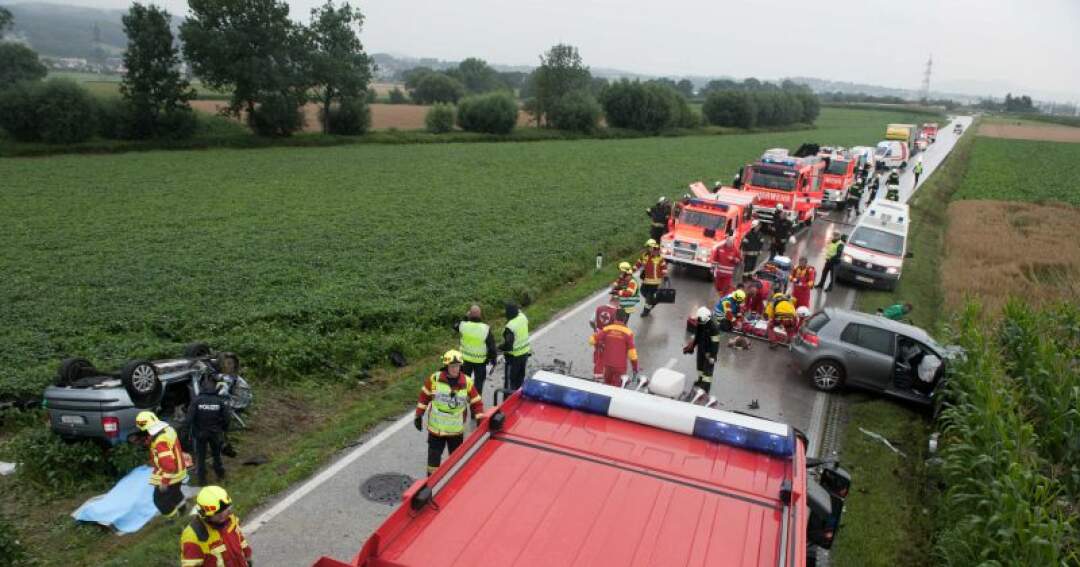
560, 486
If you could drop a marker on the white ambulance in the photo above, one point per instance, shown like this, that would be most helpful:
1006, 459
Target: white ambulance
875, 251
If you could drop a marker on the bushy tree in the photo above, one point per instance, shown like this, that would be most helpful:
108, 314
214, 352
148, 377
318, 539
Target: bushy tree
19, 111
685, 87
492, 113
66, 112
440, 118
340, 69
811, 106
398, 97
648, 107
437, 87
561, 71
19, 63
576, 112
6, 20
152, 88
478, 77
411, 77
730, 108
351, 117
253, 50
514, 80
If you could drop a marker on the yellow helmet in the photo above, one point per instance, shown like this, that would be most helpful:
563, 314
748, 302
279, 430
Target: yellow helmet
739, 295
145, 420
211, 500
452, 357
651, 243
626, 268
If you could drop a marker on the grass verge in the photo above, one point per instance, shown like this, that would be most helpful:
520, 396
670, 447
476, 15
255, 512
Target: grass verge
890, 490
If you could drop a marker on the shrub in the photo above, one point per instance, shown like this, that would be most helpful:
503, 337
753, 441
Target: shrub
277, 115
730, 108
440, 118
19, 112
350, 118
372, 95
687, 117
114, 119
61, 468
492, 113
64, 111
647, 107
438, 87
397, 96
11, 550
19, 63
577, 111
177, 124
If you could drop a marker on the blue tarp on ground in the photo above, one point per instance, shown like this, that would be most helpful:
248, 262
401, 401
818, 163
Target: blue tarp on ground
126, 508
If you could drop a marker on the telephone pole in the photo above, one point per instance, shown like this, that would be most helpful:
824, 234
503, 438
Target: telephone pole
926, 79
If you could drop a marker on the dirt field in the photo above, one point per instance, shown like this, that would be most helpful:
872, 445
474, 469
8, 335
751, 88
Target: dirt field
997, 248
383, 116
1023, 130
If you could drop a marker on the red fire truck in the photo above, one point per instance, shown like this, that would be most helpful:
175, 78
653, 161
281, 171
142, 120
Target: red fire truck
838, 176
569, 472
788, 180
705, 221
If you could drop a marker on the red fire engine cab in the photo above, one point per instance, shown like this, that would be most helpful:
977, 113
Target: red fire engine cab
838, 176
787, 180
705, 221
569, 472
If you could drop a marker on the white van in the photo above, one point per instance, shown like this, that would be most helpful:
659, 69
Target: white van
891, 153
875, 251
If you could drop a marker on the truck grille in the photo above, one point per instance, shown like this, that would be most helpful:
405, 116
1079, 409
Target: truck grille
684, 250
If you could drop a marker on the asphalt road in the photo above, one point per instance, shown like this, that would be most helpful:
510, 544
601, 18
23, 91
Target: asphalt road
328, 515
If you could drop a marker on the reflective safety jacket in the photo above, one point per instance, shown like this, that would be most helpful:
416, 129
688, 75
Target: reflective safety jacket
167, 458
448, 403
653, 268
832, 249
626, 288
803, 276
727, 307
725, 259
203, 545
477, 344
516, 336
616, 344
780, 307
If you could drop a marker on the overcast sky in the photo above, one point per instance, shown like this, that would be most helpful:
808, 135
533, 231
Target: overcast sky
998, 44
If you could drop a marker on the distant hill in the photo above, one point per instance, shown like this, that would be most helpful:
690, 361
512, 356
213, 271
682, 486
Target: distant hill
68, 31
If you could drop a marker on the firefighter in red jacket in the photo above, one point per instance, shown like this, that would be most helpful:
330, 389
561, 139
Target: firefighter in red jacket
213, 538
615, 343
653, 273
626, 288
725, 260
447, 392
604, 316
167, 458
802, 281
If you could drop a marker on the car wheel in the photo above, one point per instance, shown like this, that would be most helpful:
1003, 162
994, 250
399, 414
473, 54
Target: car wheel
71, 369
140, 379
196, 350
827, 375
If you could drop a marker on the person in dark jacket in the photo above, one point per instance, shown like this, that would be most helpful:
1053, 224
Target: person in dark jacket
752, 246
658, 216
208, 421
781, 233
706, 342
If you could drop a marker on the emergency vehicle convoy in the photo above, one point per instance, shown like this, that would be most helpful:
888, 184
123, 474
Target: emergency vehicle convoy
571, 472
705, 221
791, 181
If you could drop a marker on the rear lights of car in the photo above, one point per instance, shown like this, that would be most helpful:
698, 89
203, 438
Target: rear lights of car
810, 338
111, 425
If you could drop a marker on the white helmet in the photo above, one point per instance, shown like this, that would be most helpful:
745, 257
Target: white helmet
703, 314
662, 199
803, 311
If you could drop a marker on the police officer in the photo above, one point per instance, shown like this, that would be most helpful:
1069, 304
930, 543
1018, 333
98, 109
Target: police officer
208, 420
477, 346
515, 347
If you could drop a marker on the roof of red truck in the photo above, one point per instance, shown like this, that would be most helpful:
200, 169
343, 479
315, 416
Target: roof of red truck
561, 487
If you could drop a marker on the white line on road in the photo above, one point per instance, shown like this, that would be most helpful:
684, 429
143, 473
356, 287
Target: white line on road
328, 473
817, 424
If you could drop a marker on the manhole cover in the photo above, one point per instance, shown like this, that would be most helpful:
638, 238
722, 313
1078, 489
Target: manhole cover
386, 488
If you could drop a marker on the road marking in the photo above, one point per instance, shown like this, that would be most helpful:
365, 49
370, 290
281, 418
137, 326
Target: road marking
351, 457
817, 424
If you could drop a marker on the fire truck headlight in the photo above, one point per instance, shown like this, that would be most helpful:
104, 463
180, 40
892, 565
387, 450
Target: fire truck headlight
703, 253
846, 258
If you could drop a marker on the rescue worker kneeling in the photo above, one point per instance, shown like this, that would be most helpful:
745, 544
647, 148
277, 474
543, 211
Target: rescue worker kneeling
729, 309
781, 312
448, 392
167, 458
213, 538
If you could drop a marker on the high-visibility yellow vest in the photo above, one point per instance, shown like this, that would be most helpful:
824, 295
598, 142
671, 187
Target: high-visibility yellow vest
168, 436
209, 541
447, 411
520, 327
831, 249
474, 341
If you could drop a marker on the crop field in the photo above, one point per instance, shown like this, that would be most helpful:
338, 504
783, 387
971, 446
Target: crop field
1023, 170
320, 262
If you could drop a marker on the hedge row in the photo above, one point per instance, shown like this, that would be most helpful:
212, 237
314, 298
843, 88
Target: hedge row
750, 109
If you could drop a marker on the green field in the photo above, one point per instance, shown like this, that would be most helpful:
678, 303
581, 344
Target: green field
321, 261
1023, 170
108, 86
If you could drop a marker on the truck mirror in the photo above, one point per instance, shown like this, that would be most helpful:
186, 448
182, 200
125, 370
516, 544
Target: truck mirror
836, 480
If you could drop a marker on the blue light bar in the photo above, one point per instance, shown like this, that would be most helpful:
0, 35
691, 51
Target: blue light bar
567, 397
708, 203
732, 429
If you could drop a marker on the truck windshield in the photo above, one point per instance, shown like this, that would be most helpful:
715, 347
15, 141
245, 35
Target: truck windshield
837, 167
878, 241
773, 178
703, 219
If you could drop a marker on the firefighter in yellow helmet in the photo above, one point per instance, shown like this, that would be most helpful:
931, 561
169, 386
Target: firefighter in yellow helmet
653, 268
780, 312
213, 538
447, 392
626, 289
167, 458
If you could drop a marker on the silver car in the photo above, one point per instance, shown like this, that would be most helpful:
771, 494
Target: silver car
839, 347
